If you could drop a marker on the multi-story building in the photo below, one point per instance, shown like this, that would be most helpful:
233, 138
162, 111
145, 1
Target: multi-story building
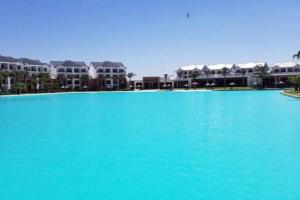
70, 74
29, 66
236, 74
113, 74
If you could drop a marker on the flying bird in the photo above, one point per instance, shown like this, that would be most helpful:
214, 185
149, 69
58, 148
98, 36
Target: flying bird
188, 15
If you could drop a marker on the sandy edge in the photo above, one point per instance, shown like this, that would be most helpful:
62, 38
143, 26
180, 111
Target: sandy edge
289, 95
94, 92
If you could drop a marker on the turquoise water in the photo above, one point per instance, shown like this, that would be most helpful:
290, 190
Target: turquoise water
158, 145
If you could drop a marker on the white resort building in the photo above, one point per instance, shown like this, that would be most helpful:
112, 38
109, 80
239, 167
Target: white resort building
112, 74
70, 74
29, 67
235, 74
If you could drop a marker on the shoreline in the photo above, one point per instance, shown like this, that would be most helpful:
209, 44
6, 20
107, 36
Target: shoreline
283, 92
95, 92
139, 91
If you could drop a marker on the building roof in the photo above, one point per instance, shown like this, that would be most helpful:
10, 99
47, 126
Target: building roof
31, 62
286, 64
249, 65
220, 66
7, 59
192, 67
107, 64
68, 63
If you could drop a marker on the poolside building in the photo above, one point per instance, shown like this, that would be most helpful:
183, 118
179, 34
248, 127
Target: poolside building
111, 74
14, 68
236, 74
70, 74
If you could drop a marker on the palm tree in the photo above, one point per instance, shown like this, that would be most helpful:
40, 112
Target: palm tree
130, 75
224, 72
84, 80
43, 79
243, 72
297, 55
207, 72
262, 73
296, 81
165, 79
122, 81
3, 76
195, 74
62, 80
20, 87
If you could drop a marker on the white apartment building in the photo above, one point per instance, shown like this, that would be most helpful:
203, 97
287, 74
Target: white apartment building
237, 74
69, 73
113, 74
10, 64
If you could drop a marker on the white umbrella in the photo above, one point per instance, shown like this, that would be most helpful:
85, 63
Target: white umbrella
195, 83
207, 84
62, 87
186, 85
213, 84
85, 87
232, 84
281, 82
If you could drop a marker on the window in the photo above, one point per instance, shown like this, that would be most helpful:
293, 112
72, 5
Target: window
297, 69
107, 70
250, 70
69, 70
33, 68
100, 70
121, 70
115, 71
61, 70
45, 69
83, 70
69, 82
11, 67
276, 70
290, 69
39, 69
76, 70
283, 70
238, 71
19, 67
76, 82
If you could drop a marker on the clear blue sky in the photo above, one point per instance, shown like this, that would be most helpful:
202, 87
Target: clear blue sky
151, 37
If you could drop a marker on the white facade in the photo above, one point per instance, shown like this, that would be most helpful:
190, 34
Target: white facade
111, 72
70, 72
234, 71
31, 67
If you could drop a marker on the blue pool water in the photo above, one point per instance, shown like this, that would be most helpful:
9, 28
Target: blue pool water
158, 145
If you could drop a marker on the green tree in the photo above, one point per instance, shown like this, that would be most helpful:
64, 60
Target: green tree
224, 72
243, 72
207, 72
295, 80
84, 80
262, 73
19, 88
